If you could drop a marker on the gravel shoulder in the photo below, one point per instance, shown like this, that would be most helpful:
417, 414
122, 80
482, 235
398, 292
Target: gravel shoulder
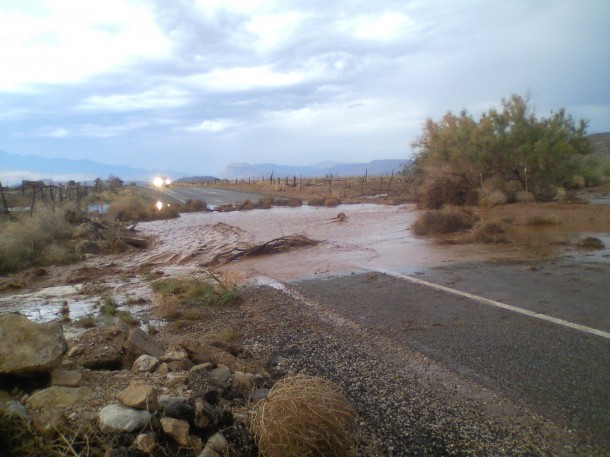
408, 403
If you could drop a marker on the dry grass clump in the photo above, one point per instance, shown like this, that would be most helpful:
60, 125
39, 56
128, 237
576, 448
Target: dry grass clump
291, 202
316, 201
305, 416
191, 206
133, 208
45, 239
265, 203
332, 201
541, 221
489, 232
591, 242
177, 295
523, 196
449, 219
495, 198
437, 192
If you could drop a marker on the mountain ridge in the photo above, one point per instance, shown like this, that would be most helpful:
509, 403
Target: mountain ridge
15, 167
264, 170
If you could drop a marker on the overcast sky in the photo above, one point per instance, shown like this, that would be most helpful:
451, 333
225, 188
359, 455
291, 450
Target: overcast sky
192, 85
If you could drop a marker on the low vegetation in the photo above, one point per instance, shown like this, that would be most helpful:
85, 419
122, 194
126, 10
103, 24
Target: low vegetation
42, 240
133, 208
458, 153
177, 296
305, 416
489, 232
449, 219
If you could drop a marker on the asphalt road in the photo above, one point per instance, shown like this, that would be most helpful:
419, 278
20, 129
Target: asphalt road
212, 196
559, 372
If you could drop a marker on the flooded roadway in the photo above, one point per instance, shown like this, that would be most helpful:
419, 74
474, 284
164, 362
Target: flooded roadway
558, 372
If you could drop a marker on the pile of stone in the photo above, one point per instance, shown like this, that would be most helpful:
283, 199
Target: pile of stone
183, 395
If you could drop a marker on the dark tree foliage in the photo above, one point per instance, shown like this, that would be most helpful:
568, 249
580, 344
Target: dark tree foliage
460, 151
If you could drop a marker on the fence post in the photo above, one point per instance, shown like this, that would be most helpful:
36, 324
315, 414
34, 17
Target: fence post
5, 206
33, 200
52, 197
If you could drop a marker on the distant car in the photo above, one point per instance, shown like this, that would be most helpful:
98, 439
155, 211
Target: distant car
161, 181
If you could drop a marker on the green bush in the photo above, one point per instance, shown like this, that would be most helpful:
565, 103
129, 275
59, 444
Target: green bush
457, 152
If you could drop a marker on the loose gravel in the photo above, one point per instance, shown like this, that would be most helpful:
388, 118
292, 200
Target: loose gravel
407, 403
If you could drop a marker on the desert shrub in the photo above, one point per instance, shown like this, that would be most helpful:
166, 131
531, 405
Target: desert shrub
449, 219
591, 242
495, 198
246, 205
510, 142
541, 220
42, 240
291, 202
191, 206
133, 208
489, 232
523, 196
316, 201
214, 290
226, 207
438, 191
305, 416
332, 201
265, 203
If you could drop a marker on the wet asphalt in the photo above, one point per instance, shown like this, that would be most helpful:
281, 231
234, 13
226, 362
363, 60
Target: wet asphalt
559, 372
211, 196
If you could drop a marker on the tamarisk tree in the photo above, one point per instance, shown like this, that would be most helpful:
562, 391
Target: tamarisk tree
458, 151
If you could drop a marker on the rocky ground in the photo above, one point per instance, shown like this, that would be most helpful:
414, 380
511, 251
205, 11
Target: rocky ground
194, 385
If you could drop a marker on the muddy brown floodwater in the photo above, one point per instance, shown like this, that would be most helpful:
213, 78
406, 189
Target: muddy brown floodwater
366, 236
371, 236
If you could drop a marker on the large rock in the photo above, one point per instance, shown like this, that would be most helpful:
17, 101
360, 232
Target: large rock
146, 443
206, 416
201, 352
221, 376
218, 443
29, 348
140, 396
177, 429
58, 397
65, 378
145, 364
100, 348
140, 343
120, 418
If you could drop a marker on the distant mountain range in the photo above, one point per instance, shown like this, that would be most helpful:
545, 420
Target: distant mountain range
264, 170
14, 168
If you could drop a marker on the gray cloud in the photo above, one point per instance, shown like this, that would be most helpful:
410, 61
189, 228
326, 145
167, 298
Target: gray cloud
300, 82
